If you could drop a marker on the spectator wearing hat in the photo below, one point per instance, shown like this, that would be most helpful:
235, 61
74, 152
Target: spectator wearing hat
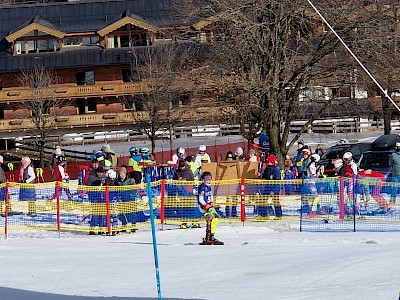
191, 163
26, 192
229, 156
202, 155
239, 154
60, 175
97, 201
183, 172
54, 159
271, 189
303, 163
253, 156
298, 158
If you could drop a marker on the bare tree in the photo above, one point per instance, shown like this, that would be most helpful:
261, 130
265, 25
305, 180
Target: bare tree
269, 53
159, 71
42, 106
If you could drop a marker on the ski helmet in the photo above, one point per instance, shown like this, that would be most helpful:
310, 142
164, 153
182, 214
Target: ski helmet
180, 151
111, 174
348, 155
315, 157
144, 151
133, 150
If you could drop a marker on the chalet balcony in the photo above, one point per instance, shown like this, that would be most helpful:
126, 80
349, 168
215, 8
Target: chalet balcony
107, 89
106, 120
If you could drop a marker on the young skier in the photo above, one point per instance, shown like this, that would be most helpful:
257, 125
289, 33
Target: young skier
206, 207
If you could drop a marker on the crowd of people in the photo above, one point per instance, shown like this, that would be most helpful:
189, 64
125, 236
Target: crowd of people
104, 170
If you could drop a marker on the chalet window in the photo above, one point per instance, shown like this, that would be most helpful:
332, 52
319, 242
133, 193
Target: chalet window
42, 110
20, 47
112, 41
35, 46
129, 103
85, 78
86, 106
72, 41
91, 105
129, 75
90, 40
185, 100
1, 84
139, 106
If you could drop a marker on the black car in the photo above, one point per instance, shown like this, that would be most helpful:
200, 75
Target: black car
376, 161
337, 151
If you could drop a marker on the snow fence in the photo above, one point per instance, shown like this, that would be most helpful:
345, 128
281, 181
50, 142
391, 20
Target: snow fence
323, 204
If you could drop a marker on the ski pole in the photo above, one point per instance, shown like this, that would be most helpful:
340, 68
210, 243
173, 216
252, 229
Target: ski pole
233, 228
187, 229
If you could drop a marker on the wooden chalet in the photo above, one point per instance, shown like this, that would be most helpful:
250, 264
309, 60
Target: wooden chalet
88, 44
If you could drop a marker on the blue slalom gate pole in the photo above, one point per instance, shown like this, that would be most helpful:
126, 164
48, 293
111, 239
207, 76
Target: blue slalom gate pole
153, 230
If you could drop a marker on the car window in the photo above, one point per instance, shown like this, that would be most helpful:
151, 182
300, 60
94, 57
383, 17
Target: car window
336, 151
355, 150
375, 161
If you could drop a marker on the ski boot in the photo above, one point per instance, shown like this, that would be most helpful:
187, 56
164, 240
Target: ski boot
211, 240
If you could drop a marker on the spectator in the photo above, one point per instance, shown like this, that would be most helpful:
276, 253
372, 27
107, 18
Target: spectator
202, 155
253, 156
303, 162
183, 172
319, 150
337, 165
394, 162
126, 210
178, 156
288, 163
97, 201
2, 174
90, 170
229, 156
110, 155
191, 163
60, 175
239, 154
289, 187
271, 188
298, 160
27, 192
133, 162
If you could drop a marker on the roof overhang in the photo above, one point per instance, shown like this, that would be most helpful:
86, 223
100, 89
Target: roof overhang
203, 23
127, 20
34, 26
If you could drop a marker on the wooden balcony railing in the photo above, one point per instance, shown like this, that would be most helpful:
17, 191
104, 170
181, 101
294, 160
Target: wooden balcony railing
70, 92
103, 119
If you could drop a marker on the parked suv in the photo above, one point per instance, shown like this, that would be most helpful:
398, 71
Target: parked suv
337, 151
377, 161
374, 156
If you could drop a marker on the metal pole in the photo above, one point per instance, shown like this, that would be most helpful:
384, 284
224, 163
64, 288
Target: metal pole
354, 56
153, 229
